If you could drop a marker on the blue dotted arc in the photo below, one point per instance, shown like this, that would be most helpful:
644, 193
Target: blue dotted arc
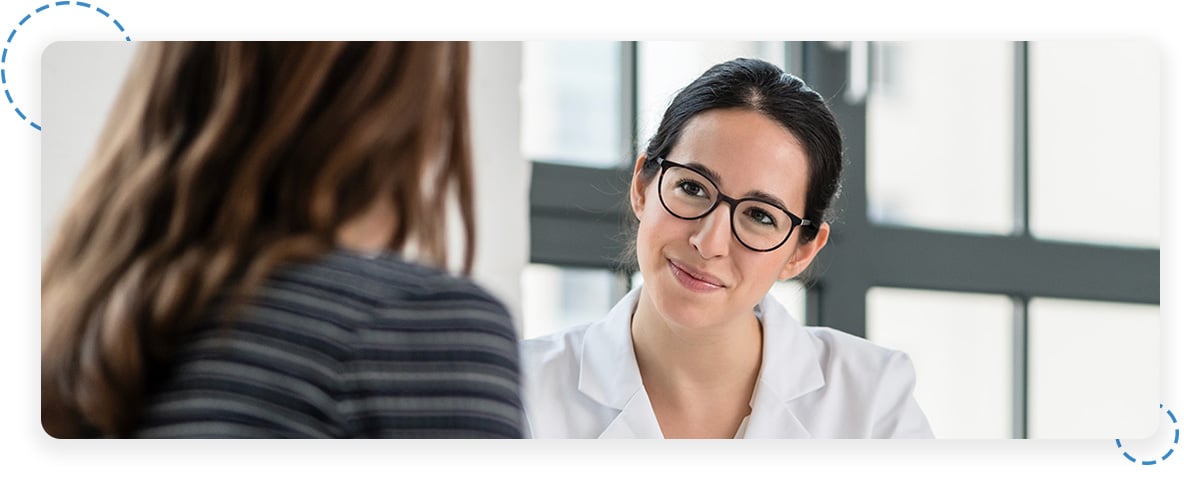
4, 56
1165, 456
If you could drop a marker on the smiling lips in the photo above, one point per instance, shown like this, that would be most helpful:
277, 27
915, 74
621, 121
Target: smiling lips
694, 280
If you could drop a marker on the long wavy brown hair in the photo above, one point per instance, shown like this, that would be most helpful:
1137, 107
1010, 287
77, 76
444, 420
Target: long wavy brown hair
219, 162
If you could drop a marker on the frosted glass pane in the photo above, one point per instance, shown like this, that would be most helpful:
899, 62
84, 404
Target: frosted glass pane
554, 298
570, 100
1093, 369
664, 68
1094, 141
940, 136
961, 347
793, 297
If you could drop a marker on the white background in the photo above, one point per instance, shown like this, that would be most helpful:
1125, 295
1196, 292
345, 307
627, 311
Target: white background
27, 451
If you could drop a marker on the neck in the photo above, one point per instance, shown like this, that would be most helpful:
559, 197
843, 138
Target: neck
370, 231
721, 358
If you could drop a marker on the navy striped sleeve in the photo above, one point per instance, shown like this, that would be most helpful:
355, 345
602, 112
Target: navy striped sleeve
349, 347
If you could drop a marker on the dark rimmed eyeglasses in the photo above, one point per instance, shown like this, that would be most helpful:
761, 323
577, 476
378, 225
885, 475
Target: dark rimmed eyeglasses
758, 224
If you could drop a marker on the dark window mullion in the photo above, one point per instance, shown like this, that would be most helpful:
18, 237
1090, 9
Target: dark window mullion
1021, 200
629, 122
841, 271
1021, 228
629, 103
1020, 371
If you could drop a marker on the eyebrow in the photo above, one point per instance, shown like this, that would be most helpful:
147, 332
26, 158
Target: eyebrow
768, 198
753, 194
708, 172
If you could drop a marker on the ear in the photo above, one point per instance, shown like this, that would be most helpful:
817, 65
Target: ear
805, 253
637, 191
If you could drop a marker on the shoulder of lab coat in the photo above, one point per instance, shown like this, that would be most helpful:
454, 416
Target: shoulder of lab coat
583, 382
579, 381
865, 390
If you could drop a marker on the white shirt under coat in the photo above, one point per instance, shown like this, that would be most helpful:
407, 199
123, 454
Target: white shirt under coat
814, 382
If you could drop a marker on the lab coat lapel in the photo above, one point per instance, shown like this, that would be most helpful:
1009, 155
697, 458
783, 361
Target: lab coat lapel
636, 420
770, 417
790, 369
608, 374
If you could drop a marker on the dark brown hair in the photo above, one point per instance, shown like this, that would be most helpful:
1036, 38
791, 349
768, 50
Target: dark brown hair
219, 162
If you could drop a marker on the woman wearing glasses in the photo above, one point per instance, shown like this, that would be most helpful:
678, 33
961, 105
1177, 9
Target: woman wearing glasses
731, 196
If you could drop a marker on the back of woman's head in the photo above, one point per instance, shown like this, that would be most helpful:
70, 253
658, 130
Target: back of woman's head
764, 88
221, 161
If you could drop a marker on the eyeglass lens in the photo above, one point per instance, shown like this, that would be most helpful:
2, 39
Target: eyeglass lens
689, 195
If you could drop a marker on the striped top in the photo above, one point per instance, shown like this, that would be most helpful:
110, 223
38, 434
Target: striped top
348, 347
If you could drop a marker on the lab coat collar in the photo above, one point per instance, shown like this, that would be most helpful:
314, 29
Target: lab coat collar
790, 369
608, 371
636, 420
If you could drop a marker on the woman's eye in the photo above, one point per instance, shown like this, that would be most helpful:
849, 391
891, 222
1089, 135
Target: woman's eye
761, 217
692, 188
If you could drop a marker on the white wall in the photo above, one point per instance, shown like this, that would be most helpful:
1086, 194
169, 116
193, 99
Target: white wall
80, 80
501, 172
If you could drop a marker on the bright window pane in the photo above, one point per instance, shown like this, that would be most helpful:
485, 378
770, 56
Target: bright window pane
570, 102
793, 297
664, 68
554, 298
1094, 141
961, 347
939, 135
1093, 369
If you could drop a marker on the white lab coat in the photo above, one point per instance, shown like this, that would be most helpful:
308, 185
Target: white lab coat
815, 382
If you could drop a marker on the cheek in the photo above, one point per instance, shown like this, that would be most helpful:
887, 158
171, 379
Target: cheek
650, 231
762, 270
656, 230
642, 247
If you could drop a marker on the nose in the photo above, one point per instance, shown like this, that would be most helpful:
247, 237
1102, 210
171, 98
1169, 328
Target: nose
714, 233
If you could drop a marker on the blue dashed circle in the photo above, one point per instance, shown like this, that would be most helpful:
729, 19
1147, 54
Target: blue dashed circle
1165, 456
4, 56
